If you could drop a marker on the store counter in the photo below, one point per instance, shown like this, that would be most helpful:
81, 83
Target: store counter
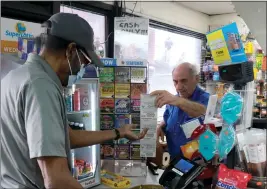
150, 179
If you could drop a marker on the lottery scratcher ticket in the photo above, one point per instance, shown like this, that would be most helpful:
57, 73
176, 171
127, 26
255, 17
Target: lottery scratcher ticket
148, 119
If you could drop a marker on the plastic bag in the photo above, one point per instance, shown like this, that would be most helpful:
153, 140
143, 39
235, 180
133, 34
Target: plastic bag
227, 141
201, 129
231, 107
208, 144
230, 178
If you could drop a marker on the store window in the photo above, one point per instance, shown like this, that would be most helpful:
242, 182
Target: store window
165, 51
96, 21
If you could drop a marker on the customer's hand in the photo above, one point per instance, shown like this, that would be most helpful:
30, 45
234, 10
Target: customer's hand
126, 132
164, 97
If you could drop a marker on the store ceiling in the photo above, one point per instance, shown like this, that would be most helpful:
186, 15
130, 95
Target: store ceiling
254, 14
210, 8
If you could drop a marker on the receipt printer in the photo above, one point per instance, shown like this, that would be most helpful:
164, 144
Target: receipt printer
180, 174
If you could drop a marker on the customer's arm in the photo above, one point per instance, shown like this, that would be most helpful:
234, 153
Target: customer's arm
87, 138
56, 173
46, 135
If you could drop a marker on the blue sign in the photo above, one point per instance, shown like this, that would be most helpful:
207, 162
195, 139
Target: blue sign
109, 61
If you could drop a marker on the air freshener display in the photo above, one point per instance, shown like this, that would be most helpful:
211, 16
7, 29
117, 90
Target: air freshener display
121, 87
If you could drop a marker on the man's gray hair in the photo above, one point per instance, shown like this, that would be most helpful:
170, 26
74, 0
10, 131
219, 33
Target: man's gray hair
193, 68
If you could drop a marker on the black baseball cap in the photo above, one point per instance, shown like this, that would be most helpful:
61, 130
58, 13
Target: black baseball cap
72, 27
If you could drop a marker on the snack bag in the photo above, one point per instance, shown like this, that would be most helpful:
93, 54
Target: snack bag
190, 150
230, 178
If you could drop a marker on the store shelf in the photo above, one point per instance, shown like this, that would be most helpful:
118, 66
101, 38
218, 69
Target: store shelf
79, 112
260, 121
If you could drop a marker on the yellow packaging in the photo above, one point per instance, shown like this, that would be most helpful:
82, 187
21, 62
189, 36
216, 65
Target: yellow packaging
114, 181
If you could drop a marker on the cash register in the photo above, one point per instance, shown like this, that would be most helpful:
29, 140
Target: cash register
181, 174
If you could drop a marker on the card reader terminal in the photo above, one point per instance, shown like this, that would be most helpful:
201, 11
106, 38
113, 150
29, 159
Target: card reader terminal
180, 174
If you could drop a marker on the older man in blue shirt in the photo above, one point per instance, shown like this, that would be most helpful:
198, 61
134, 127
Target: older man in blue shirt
189, 103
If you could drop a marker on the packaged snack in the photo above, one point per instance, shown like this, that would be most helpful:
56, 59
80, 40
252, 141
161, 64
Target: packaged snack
230, 178
114, 180
201, 129
107, 90
190, 150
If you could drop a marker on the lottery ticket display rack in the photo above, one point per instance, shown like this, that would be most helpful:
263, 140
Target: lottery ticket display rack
121, 84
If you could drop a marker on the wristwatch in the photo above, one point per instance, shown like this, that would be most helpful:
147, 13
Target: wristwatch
118, 135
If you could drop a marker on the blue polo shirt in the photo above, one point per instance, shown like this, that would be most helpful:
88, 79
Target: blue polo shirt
174, 117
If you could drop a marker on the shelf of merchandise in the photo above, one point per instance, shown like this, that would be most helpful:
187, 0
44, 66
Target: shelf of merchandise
79, 112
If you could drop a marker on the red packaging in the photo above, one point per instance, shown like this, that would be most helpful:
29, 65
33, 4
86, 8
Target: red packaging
232, 179
76, 100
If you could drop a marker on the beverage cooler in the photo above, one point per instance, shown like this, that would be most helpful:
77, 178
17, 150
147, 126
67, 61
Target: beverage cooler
82, 102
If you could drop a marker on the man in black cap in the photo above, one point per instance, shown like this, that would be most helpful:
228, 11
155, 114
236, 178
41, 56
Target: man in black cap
35, 138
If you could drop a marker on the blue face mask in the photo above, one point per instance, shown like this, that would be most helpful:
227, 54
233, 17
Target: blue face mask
226, 141
231, 107
76, 78
208, 144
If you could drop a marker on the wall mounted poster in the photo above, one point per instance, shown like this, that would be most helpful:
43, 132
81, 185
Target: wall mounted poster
226, 45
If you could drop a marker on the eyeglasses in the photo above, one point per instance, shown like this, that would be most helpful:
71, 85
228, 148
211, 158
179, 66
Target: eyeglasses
85, 56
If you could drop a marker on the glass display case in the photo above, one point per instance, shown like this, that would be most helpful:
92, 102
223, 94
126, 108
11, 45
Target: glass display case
82, 102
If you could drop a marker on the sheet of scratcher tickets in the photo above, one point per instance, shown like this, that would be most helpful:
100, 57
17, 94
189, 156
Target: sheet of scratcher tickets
148, 119
120, 92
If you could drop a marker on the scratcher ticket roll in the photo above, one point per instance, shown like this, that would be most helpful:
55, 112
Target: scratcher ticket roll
166, 159
148, 119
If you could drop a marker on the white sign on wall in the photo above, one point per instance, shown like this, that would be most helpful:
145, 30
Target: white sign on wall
132, 25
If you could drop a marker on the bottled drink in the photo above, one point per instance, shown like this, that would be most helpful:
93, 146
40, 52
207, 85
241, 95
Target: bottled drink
71, 124
76, 126
81, 126
76, 100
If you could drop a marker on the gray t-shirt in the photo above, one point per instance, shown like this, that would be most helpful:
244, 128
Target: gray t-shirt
34, 123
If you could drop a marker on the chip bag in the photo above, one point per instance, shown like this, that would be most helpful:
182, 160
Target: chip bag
230, 178
190, 150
